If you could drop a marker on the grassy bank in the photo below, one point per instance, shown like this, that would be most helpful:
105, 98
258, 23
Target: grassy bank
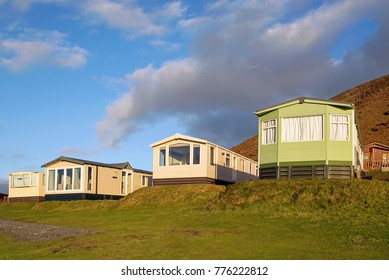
299, 219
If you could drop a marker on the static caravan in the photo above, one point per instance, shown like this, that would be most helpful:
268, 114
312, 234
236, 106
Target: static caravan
181, 159
26, 187
74, 179
308, 137
376, 156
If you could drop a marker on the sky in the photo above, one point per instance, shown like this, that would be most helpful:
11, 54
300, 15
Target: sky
103, 79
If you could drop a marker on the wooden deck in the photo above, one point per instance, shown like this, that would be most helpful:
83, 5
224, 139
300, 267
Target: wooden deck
375, 164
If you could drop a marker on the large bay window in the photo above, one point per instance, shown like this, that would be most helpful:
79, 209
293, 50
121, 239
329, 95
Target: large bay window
179, 154
269, 132
63, 179
340, 127
299, 129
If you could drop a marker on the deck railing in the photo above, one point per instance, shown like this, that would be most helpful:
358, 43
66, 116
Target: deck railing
375, 164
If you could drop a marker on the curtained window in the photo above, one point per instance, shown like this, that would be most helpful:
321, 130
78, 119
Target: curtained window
269, 132
299, 129
340, 127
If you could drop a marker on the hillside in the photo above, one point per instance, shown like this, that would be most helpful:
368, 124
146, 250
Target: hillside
261, 219
372, 103
371, 100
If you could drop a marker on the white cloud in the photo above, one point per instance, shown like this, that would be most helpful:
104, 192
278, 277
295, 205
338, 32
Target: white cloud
38, 47
118, 15
318, 28
246, 57
169, 46
171, 10
193, 23
131, 18
153, 92
24, 5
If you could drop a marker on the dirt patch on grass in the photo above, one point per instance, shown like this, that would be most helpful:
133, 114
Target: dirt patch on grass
32, 232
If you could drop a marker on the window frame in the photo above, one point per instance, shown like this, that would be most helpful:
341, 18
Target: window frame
340, 122
268, 128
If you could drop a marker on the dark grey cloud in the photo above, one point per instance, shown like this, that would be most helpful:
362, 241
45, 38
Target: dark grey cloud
3, 185
246, 55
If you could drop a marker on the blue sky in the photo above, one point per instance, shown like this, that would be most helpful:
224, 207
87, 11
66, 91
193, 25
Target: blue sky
103, 79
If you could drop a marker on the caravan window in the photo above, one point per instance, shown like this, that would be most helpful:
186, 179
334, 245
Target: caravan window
51, 180
162, 156
340, 127
196, 154
299, 129
179, 154
77, 178
23, 180
212, 155
269, 132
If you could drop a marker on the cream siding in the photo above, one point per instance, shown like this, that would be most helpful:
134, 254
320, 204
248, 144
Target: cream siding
36, 188
217, 171
104, 180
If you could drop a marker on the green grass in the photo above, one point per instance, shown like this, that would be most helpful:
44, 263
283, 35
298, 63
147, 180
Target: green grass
299, 219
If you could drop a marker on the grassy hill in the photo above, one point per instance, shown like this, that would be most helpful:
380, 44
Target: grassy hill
372, 102
299, 219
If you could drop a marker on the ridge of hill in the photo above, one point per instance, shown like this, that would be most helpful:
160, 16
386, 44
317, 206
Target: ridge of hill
371, 100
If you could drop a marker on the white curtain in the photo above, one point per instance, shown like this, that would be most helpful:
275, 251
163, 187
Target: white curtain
299, 129
340, 127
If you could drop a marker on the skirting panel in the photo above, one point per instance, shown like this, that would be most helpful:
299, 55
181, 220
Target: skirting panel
26, 199
81, 196
314, 171
179, 181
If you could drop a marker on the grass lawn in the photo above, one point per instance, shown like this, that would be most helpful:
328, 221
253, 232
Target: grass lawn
305, 219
